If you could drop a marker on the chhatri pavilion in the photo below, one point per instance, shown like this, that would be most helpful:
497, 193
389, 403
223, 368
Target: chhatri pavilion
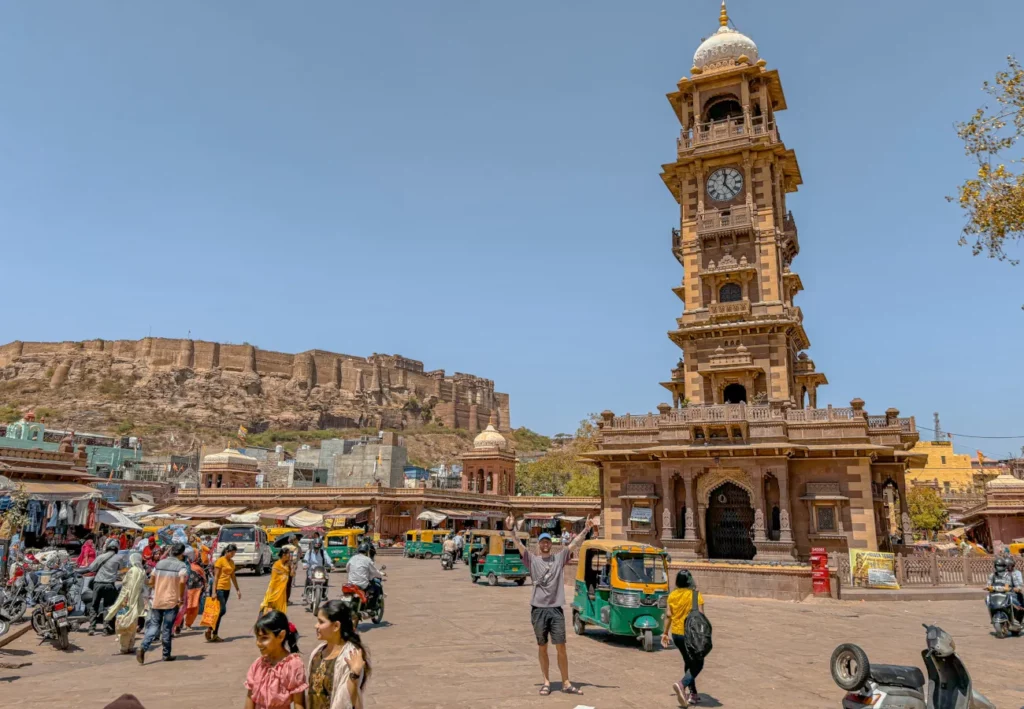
746, 463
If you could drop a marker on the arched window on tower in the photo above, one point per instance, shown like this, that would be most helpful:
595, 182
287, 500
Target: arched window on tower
723, 108
730, 293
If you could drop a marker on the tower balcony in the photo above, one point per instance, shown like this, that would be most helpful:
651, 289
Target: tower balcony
722, 221
729, 132
735, 309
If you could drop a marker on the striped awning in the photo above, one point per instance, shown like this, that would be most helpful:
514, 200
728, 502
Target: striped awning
345, 512
542, 516
458, 514
50, 490
279, 513
200, 511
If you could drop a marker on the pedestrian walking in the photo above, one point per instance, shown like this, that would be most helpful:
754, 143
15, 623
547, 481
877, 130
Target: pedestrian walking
223, 579
546, 613
339, 666
168, 582
276, 597
680, 604
194, 587
277, 680
108, 568
460, 541
130, 605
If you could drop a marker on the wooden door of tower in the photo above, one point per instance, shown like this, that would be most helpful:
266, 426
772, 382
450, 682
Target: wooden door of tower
730, 519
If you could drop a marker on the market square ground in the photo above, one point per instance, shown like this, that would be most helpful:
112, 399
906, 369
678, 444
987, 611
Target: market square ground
446, 643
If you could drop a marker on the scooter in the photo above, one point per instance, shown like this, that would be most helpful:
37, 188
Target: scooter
903, 687
447, 561
316, 589
358, 601
1006, 613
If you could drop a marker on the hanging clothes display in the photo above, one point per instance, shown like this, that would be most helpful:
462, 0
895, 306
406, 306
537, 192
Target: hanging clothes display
52, 512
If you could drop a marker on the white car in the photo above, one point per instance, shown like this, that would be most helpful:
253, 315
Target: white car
253, 547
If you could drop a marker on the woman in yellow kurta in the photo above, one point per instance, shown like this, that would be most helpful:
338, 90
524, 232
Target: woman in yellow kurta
276, 598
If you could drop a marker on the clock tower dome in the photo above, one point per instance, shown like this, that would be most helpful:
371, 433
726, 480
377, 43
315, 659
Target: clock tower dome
742, 336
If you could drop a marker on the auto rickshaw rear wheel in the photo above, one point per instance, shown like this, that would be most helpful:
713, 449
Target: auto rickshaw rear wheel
578, 626
492, 580
521, 581
647, 640
428, 555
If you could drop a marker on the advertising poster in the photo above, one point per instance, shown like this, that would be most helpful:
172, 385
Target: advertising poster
873, 569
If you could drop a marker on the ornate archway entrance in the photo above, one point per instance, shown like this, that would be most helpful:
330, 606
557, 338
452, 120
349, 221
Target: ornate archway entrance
729, 520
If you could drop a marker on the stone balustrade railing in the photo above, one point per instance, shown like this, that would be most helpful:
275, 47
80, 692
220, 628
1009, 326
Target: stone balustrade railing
711, 413
712, 220
725, 130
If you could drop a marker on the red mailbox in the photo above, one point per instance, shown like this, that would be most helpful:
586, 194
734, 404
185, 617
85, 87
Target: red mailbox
819, 572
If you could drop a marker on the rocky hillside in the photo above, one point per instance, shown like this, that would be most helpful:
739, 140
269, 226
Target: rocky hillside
174, 409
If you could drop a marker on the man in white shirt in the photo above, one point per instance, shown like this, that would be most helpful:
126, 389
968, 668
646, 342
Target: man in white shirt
361, 572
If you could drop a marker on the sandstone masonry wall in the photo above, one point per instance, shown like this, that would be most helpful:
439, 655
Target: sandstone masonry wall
460, 400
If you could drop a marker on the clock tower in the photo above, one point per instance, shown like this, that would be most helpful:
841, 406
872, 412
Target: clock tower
742, 336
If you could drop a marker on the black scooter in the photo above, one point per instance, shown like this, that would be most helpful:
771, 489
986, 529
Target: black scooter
903, 687
1006, 613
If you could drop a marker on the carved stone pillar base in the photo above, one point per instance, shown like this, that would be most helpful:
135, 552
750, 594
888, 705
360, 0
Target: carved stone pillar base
683, 548
775, 551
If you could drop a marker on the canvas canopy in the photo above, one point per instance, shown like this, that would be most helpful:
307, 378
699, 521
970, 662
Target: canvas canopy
432, 517
114, 518
305, 519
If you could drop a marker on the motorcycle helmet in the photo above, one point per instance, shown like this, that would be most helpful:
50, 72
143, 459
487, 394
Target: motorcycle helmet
113, 545
1000, 565
364, 548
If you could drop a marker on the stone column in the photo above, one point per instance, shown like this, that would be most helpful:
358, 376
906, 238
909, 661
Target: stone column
757, 482
691, 506
668, 503
785, 529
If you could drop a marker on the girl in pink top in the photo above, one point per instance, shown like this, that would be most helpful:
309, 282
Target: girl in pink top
277, 680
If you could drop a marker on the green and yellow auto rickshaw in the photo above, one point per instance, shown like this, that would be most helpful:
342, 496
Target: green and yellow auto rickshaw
278, 537
412, 542
622, 588
431, 543
341, 544
494, 557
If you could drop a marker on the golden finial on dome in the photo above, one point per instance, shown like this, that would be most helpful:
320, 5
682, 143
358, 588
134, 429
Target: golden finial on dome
723, 16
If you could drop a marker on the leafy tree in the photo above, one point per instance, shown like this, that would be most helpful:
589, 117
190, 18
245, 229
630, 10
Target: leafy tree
994, 199
927, 510
559, 471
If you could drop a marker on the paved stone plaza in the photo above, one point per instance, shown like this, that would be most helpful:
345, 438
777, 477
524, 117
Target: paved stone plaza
449, 644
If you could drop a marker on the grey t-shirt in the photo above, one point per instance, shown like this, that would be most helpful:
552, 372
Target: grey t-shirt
107, 566
548, 584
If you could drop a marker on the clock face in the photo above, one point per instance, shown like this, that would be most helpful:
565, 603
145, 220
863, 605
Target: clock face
724, 184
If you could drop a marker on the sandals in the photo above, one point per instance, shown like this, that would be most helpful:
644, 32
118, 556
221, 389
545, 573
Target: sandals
545, 690
571, 689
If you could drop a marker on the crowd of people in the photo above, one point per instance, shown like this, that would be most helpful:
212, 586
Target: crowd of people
162, 590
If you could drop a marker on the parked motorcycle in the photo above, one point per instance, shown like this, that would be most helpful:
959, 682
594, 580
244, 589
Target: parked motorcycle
358, 601
50, 620
447, 561
1004, 610
903, 687
316, 589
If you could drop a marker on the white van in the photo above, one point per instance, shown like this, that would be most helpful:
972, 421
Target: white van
253, 547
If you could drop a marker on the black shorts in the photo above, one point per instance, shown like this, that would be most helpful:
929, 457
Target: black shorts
548, 621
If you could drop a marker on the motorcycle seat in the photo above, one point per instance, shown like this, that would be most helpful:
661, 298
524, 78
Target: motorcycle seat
355, 590
898, 676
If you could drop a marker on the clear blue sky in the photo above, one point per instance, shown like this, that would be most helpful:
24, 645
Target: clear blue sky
475, 185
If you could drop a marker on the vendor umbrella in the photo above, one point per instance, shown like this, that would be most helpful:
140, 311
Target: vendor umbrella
206, 527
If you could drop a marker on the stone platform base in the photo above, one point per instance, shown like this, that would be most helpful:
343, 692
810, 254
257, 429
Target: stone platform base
781, 581
930, 593
775, 551
682, 548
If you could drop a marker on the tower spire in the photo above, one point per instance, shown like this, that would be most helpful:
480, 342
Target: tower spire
723, 16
